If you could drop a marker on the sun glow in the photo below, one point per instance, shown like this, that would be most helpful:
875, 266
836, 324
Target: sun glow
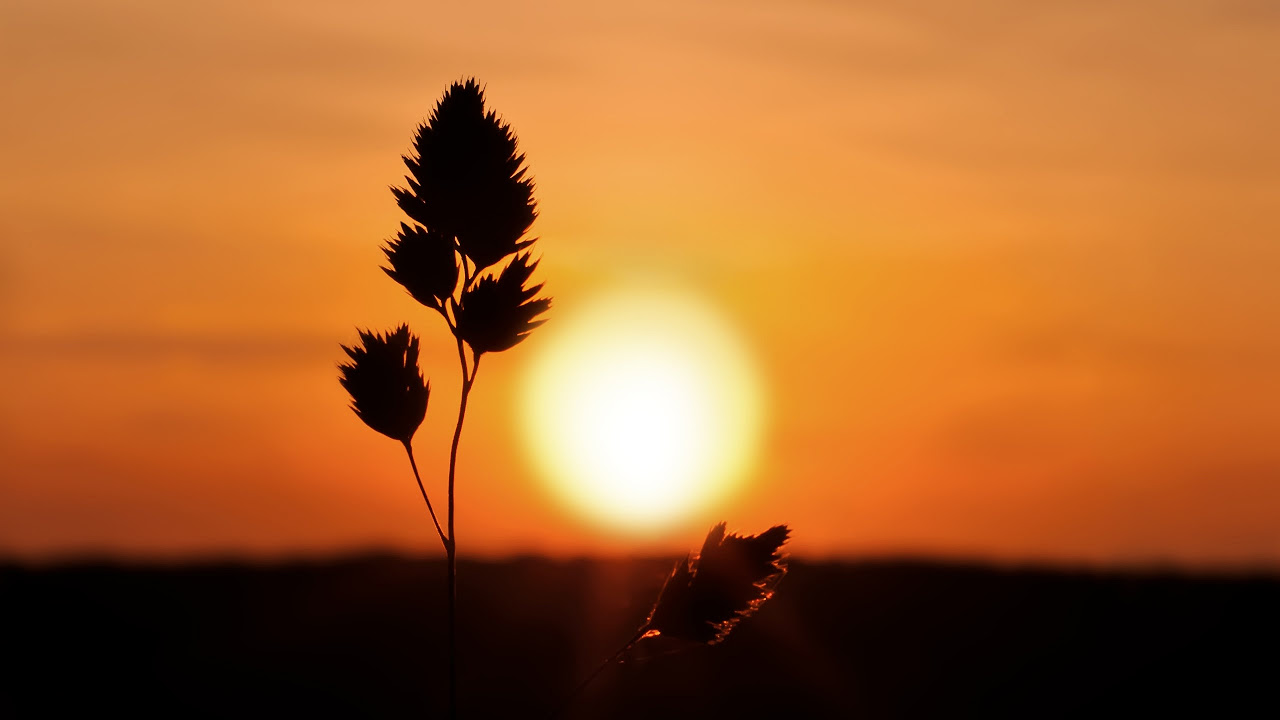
642, 408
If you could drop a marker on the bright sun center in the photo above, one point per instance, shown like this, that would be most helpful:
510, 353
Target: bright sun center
642, 408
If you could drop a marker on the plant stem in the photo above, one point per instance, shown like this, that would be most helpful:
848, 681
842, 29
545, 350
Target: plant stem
451, 548
568, 701
409, 449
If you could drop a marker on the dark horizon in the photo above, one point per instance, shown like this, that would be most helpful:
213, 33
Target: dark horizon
880, 640
138, 561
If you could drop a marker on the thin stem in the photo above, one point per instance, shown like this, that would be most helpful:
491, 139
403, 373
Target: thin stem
466, 270
409, 449
568, 701
444, 313
451, 549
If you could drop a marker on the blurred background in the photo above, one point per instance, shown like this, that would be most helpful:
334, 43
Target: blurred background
1006, 272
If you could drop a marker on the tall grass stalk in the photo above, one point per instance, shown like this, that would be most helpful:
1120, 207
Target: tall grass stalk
470, 204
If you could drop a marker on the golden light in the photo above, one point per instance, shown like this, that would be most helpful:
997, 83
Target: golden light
642, 408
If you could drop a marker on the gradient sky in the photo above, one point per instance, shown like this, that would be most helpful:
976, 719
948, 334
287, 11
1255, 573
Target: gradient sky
1011, 271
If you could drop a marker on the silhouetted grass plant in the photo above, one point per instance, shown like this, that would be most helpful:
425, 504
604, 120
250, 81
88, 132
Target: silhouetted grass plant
709, 592
471, 204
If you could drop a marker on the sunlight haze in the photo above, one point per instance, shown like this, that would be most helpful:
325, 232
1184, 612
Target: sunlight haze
1007, 272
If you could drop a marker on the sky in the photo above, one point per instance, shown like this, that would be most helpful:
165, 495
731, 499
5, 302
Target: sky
1008, 270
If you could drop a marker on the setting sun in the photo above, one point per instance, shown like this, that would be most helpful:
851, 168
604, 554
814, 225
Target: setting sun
642, 408
468, 360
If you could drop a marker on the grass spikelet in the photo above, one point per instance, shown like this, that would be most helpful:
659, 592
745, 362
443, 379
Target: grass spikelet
729, 579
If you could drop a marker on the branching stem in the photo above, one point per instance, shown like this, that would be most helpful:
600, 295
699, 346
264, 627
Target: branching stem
408, 447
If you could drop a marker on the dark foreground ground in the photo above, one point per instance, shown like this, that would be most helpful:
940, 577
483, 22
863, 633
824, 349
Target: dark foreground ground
364, 638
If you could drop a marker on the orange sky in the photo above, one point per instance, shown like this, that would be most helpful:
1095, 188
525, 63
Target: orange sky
1010, 270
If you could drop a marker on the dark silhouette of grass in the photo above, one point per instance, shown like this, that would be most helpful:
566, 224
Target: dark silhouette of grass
388, 392
468, 188
709, 592
360, 638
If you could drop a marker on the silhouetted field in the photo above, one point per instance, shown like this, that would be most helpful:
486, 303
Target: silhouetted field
364, 638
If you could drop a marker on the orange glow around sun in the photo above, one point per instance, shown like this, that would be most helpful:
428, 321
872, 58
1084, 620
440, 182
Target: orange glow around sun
994, 280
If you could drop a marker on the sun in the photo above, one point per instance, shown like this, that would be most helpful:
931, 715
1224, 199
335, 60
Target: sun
642, 408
